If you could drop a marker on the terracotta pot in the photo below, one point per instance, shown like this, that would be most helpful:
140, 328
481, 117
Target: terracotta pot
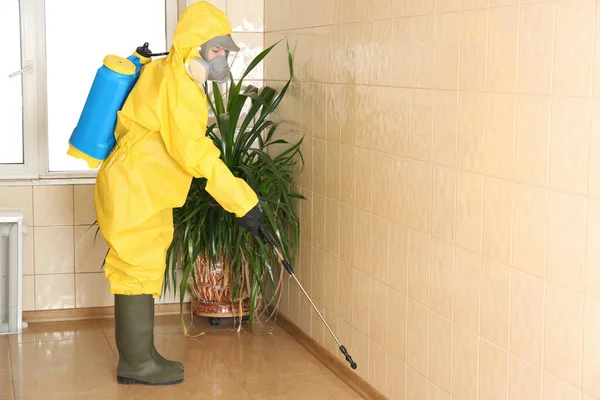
212, 293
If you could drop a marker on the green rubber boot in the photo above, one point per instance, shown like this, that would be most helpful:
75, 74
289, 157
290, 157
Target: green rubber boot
155, 354
134, 335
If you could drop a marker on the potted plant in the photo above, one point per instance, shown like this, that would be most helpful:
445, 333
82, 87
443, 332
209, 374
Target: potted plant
226, 271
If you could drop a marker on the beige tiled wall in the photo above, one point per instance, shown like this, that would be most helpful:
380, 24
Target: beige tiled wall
62, 263
453, 217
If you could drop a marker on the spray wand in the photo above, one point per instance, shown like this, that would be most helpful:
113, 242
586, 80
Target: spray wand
269, 240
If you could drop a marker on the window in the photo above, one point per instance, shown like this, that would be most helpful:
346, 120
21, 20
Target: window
53, 52
11, 141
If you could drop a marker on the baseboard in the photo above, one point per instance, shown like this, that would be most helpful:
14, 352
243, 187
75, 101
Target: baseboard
340, 369
74, 314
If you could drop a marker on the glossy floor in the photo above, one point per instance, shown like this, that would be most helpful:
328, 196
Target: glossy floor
77, 360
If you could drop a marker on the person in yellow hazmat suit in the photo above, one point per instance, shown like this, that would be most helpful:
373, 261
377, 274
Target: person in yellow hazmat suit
160, 146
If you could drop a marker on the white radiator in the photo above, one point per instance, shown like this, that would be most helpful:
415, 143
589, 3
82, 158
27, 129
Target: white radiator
11, 271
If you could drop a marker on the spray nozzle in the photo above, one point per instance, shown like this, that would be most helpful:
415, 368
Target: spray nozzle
144, 51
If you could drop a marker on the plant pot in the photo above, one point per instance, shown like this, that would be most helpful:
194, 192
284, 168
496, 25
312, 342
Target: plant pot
212, 293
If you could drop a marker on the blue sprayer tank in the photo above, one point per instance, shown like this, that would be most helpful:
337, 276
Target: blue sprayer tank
93, 138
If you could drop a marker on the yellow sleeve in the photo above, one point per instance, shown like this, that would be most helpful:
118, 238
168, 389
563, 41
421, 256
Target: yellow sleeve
184, 132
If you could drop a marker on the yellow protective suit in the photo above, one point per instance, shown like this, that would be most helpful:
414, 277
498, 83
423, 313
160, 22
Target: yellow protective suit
161, 145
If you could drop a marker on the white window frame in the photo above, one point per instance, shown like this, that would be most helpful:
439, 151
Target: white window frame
35, 119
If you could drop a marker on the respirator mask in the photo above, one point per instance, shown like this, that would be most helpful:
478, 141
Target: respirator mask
212, 60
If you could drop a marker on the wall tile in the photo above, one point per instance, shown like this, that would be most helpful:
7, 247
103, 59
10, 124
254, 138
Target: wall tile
397, 324
530, 210
421, 177
524, 381
569, 144
92, 290
465, 356
318, 224
362, 241
54, 291
574, 38
400, 114
346, 291
554, 389
332, 215
497, 219
317, 282
442, 277
532, 139
54, 252
467, 286
423, 50
591, 347
28, 300
18, 198
536, 41
383, 45
53, 205
594, 165
399, 245
418, 267
246, 16
526, 318
381, 121
360, 353
376, 10
378, 312
331, 282
565, 253
378, 367
363, 170
495, 302
380, 249
473, 4
562, 334
500, 135
360, 302
319, 167
28, 253
85, 212
380, 184
469, 208
444, 6
592, 257
396, 387
416, 385
349, 115
445, 128
440, 351
399, 201
251, 44
502, 49
347, 175
421, 124
447, 51
90, 251
435, 393
417, 336
443, 220
493, 371
402, 52
472, 49
332, 170
471, 127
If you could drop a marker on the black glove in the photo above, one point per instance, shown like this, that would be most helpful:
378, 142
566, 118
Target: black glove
252, 221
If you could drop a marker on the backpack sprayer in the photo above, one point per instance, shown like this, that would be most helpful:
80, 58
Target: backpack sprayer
269, 240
